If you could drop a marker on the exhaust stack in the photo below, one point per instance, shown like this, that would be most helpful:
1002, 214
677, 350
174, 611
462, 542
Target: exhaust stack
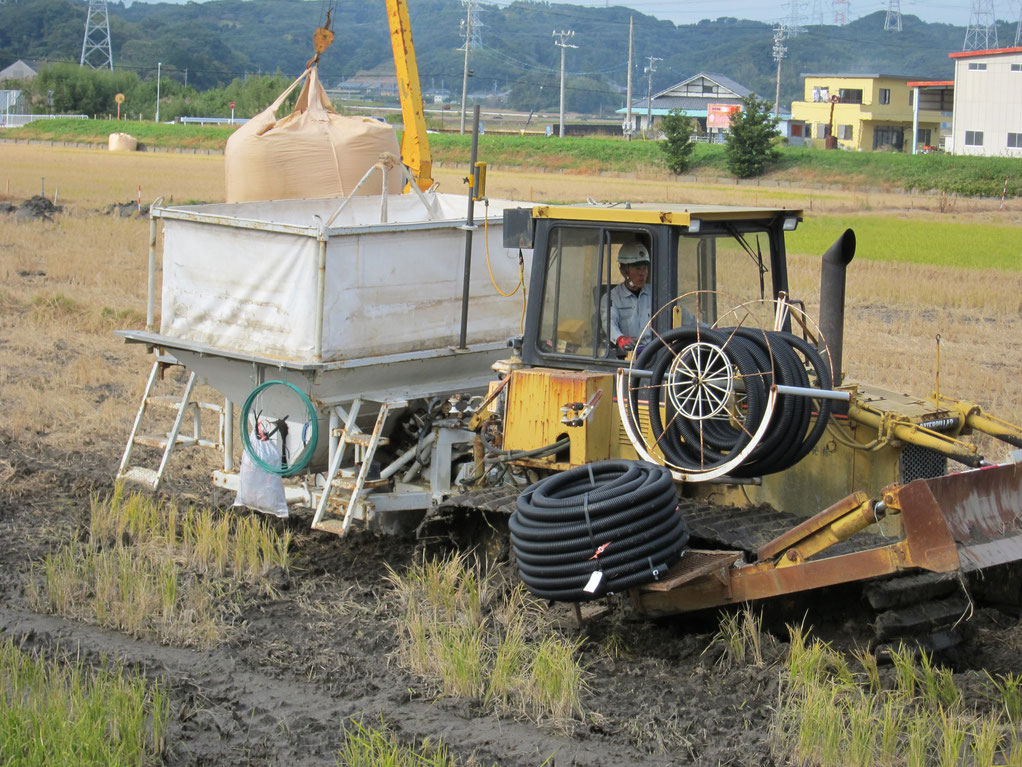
832, 297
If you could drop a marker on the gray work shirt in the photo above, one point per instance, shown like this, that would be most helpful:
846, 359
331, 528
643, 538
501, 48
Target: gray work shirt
629, 312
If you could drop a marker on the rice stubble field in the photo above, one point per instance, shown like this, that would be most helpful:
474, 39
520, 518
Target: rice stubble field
312, 655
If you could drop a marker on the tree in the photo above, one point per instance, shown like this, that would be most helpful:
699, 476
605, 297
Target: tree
677, 145
750, 138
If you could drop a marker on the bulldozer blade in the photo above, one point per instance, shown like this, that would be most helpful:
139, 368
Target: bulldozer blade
983, 512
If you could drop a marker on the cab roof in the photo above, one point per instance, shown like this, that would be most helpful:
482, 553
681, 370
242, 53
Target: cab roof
680, 214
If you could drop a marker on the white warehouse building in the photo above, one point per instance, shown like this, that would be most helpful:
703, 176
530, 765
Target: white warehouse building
988, 102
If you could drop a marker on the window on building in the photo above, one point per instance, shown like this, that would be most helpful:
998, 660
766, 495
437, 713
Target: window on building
923, 137
912, 97
1015, 140
973, 138
850, 95
822, 130
885, 95
1016, 67
844, 132
708, 89
977, 66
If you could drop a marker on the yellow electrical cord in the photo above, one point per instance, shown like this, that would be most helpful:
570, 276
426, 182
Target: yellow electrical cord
489, 268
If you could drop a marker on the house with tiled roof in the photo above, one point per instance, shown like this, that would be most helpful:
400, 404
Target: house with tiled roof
706, 97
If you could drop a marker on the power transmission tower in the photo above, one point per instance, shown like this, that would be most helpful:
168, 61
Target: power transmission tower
893, 19
650, 69
794, 25
982, 32
561, 41
778, 53
469, 30
96, 51
816, 13
841, 12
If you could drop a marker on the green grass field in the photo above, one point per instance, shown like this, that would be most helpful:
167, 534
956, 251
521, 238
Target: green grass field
973, 176
914, 241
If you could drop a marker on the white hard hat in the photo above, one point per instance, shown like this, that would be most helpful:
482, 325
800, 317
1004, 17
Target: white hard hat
633, 253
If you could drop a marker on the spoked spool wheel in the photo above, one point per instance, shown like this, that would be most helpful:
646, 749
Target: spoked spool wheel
711, 393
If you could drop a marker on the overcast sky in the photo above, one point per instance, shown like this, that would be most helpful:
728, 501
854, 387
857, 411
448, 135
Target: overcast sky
691, 11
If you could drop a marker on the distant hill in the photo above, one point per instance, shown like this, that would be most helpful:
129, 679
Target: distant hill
213, 42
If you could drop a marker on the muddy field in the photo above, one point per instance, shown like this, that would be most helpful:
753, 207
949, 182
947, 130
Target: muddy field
301, 664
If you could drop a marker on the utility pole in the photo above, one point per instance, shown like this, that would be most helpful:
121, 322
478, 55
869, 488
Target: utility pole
1018, 27
159, 66
650, 69
561, 41
778, 53
628, 96
466, 25
893, 19
96, 51
982, 32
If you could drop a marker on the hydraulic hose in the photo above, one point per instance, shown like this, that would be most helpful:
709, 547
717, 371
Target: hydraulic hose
597, 529
310, 447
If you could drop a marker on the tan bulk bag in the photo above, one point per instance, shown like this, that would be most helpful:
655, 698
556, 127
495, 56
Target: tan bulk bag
122, 142
313, 152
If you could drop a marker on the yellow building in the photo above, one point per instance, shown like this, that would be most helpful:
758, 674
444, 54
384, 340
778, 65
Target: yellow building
868, 111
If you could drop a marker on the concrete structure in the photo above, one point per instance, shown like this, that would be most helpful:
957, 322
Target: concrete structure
696, 97
870, 112
930, 96
19, 70
988, 102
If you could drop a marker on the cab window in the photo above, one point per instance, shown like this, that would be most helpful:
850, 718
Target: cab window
717, 272
581, 271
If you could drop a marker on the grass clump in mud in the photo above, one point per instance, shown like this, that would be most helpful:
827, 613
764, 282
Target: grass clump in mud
64, 713
471, 641
153, 570
366, 746
912, 713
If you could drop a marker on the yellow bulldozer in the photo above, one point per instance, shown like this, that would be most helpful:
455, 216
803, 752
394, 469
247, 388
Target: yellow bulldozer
721, 458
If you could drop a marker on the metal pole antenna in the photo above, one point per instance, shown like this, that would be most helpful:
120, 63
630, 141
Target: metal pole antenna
562, 43
650, 69
159, 66
467, 25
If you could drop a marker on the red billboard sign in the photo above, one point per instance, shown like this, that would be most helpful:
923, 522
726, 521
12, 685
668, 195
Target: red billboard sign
719, 115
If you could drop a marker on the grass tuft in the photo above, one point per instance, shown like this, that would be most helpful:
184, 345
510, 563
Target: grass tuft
366, 746
467, 641
64, 713
151, 570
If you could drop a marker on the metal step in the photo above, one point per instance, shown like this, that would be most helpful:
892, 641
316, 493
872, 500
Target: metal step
140, 476
360, 438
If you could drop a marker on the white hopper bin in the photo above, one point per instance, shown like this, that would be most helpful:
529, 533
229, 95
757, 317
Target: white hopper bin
365, 303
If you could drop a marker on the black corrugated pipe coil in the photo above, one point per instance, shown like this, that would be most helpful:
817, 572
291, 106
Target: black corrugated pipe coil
597, 529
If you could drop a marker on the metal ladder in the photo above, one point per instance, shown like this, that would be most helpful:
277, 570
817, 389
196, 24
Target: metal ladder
365, 446
182, 405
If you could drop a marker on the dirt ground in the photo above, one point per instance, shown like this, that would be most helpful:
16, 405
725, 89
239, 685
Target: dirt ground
304, 663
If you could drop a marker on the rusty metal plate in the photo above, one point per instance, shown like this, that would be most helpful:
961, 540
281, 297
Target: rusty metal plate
983, 509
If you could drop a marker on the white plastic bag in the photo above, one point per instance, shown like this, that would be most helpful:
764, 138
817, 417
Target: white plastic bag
258, 489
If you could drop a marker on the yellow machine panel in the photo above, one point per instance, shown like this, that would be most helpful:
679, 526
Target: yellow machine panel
534, 416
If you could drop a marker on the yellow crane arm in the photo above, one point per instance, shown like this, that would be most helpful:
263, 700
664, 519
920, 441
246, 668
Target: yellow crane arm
414, 142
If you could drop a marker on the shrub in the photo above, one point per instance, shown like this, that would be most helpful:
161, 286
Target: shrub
750, 138
677, 145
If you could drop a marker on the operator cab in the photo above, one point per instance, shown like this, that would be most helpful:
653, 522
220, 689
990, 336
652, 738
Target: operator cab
704, 260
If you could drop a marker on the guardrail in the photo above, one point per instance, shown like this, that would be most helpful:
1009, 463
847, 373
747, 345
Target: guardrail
16, 121
212, 120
